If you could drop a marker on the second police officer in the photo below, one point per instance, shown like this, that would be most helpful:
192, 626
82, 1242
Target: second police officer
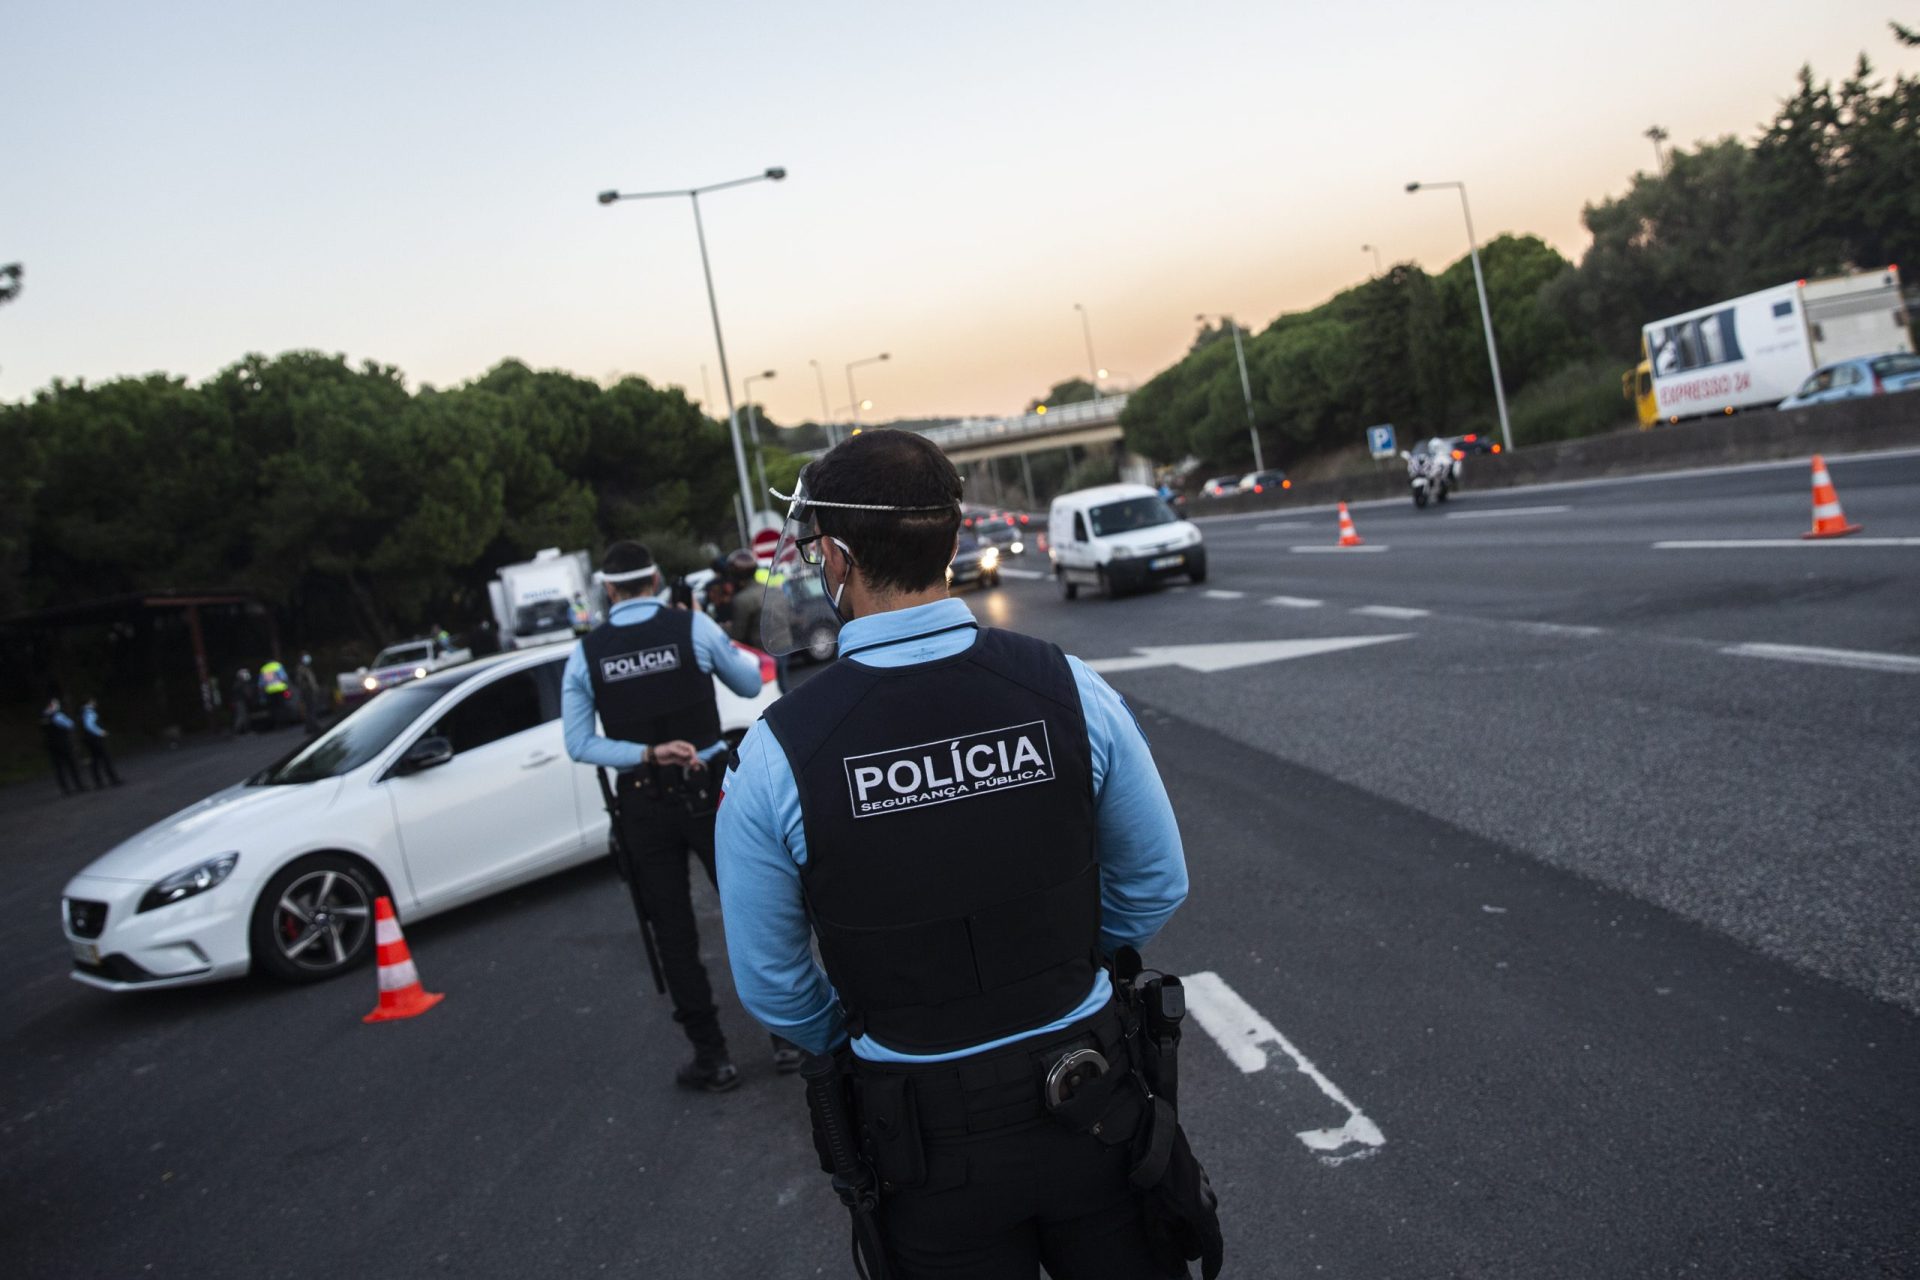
971, 825
647, 672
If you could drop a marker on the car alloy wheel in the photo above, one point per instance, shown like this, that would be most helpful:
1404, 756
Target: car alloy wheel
314, 920
321, 920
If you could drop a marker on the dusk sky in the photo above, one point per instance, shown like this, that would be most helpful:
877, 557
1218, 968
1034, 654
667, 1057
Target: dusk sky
415, 183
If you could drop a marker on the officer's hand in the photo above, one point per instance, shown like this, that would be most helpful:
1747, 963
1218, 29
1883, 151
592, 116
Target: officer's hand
678, 752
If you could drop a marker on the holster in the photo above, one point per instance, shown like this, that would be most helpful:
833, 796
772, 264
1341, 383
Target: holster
835, 1126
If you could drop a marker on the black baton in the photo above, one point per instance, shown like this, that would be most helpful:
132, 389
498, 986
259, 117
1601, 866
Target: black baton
623, 860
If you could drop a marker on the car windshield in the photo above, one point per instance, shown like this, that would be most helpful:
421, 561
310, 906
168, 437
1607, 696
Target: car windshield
360, 737
399, 654
1886, 365
542, 615
1124, 517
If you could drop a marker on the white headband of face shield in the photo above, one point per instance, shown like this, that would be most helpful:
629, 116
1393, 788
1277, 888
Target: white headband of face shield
801, 500
631, 575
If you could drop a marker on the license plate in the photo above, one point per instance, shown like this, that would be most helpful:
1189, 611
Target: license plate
1168, 562
86, 952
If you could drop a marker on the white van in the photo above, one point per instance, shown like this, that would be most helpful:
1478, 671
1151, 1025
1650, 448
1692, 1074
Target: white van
1120, 537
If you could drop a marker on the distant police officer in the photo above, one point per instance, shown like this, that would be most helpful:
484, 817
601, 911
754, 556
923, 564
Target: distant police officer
965, 819
647, 672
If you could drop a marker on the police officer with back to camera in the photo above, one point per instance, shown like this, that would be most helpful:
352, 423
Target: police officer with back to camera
647, 671
971, 825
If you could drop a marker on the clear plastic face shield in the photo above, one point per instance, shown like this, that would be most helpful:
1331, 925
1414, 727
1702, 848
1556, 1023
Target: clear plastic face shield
801, 610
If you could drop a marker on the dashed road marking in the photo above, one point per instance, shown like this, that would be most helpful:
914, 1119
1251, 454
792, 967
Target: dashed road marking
1857, 659
1371, 546
1743, 544
1390, 611
1240, 1031
1293, 602
1214, 594
1560, 629
1279, 525
1506, 511
1031, 574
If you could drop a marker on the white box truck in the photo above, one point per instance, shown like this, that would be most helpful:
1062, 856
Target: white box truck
1758, 349
543, 600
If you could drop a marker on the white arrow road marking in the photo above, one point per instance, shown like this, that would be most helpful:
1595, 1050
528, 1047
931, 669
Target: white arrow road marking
1742, 544
1240, 1031
1370, 546
1294, 602
1209, 658
1225, 595
1858, 659
1505, 511
1389, 611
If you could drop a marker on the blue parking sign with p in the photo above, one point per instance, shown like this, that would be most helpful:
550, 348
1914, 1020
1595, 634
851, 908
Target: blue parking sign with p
1380, 440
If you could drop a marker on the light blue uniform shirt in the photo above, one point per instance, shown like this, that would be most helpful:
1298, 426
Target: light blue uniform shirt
737, 669
90, 721
762, 846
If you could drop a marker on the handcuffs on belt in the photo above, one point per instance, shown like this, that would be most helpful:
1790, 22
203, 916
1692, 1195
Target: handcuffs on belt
1074, 1069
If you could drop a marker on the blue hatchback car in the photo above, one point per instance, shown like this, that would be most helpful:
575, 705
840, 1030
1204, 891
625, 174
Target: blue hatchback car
1865, 376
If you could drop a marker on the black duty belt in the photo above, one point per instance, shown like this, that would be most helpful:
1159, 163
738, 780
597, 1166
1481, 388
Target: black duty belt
1001, 1087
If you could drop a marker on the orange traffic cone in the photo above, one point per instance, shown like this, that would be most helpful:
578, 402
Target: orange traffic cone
1828, 520
401, 995
1348, 538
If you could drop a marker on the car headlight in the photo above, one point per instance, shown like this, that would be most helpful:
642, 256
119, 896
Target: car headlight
197, 878
419, 672
1016, 547
1124, 553
370, 684
990, 557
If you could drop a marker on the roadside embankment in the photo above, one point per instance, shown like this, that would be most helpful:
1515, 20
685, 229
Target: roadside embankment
1852, 426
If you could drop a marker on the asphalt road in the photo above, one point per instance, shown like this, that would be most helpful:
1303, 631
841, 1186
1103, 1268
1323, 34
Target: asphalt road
1550, 939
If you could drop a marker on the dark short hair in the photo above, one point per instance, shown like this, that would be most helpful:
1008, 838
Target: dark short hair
896, 550
624, 557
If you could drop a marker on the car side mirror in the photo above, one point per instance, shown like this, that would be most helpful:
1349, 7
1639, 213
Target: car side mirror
428, 753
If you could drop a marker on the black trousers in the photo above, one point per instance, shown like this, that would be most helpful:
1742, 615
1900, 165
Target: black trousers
660, 835
65, 771
98, 760
988, 1200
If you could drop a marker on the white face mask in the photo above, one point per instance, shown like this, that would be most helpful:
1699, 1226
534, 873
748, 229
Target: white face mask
833, 596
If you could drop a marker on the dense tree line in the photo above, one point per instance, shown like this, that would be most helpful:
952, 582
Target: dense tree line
1831, 184
357, 508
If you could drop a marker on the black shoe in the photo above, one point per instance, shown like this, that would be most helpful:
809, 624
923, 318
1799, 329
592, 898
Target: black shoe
710, 1075
787, 1059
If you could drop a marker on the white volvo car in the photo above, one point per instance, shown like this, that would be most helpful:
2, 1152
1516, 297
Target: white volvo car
435, 793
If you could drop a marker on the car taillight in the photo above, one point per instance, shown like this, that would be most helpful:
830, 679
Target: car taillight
1259, 488
1879, 387
1496, 448
1009, 519
1286, 484
1470, 437
1025, 520
1457, 455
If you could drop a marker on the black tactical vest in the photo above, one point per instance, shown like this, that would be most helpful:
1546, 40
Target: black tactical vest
949, 812
647, 682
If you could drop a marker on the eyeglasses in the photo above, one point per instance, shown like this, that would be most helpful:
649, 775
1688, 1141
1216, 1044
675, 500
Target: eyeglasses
809, 548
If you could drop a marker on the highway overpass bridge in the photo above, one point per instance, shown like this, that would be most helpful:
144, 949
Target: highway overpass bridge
1088, 423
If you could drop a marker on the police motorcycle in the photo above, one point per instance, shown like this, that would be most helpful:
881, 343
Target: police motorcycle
1432, 472
1121, 1089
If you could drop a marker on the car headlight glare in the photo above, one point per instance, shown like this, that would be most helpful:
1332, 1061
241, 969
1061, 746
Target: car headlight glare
185, 883
419, 672
370, 684
990, 557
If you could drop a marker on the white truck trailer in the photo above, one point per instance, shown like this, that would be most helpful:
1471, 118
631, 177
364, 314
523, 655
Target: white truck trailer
1756, 350
543, 600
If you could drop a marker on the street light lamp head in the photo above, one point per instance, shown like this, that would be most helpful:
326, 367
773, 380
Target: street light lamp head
777, 174
886, 355
866, 404
608, 197
1413, 186
768, 374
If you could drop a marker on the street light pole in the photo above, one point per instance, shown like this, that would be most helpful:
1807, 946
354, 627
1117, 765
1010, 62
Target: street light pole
753, 429
1486, 312
853, 397
1374, 250
693, 194
826, 413
1093, 366
1246, 386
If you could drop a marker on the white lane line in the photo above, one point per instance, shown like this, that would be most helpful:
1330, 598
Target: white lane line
1559, 629
1371, 546
1505, 511
1390, 611
1742, 544
1031, 574
1278, 525
1224, 595
1858, 659
1294, 602
1240, 1031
